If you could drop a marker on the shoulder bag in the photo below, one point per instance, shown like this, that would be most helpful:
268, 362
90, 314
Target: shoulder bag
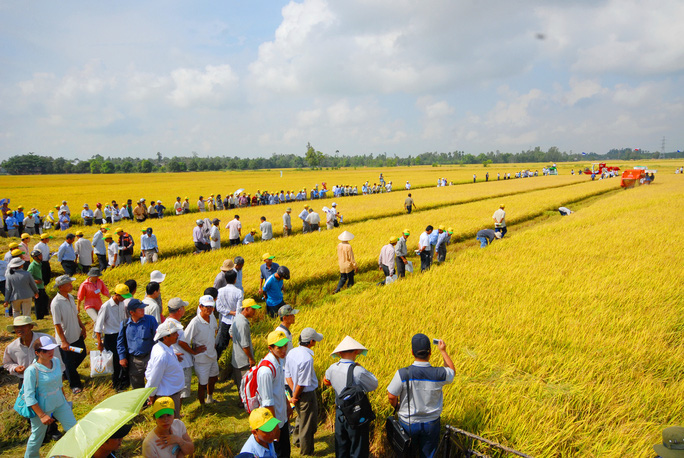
399, 439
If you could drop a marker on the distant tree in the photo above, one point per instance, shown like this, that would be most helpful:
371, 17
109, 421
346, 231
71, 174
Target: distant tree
145, 166
313, 157
108, 167
95, 166
82, 167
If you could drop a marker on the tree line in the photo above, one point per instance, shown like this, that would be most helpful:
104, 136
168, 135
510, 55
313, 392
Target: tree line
34, 164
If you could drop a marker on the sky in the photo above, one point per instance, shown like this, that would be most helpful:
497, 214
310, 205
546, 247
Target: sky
253, 78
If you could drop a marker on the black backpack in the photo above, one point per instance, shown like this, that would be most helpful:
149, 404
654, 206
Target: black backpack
353, 402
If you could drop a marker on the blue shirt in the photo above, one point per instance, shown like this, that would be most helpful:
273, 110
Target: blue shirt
19, 215
139, 337
43, 386
238, 282
256, 449
442, 238
266, 272
249, 238
98, 243
11, 222
148, 242
433, 238
274, 291
66, 252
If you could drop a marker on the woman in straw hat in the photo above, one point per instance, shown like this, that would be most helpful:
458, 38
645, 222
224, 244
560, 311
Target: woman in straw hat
345, 257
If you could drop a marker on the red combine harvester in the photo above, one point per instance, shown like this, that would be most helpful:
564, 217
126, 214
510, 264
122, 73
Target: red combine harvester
636, 177
597, 168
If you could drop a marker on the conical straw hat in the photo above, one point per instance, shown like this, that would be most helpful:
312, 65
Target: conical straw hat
345, 236
349, 344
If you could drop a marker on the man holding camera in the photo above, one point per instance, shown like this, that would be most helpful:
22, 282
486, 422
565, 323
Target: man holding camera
425, 382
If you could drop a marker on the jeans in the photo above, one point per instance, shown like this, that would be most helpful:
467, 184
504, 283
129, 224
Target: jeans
345, 278
424, 437
441, 253
483, 241
71, 362
386, 271
63, 414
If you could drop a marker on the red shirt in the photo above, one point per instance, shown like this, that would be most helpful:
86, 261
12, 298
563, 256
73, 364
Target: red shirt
90, 292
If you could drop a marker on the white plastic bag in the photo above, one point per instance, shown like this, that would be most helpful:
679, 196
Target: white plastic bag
101, 363
409, 267
390, 280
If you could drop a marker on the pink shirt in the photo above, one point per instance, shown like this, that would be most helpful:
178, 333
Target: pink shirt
90, 292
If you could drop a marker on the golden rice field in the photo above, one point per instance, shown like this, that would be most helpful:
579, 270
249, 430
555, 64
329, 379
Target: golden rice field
566, 335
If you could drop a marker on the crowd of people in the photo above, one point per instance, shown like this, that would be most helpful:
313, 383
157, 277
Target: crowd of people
153, 349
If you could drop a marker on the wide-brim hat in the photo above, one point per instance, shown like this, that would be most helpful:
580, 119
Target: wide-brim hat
673, 443
20, 321
157, 276
345, 236
94, 272
349, 344
228, 264
16, 262
167, 328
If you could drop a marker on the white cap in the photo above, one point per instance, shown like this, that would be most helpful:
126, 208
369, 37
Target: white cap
207, 301
167, 328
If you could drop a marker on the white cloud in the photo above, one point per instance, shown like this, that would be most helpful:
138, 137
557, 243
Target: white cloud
213, 86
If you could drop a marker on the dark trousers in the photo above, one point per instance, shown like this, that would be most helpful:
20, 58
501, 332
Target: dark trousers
408, 209
345, 278
503, 230
46, 271
441, 253
71, 362
401, 268
42, 304
70, 267
102, 261
425, 259
273, 309
136, 370
282, 445
386, 271
202, 247
98, 221
307, 417
353, 443
234, 242
120, 376
222, 339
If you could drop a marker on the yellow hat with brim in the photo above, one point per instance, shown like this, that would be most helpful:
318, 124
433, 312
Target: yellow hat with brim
17, 252
164, 406
118, 229
441, 227
407, 232
247, 303
393, 239
262, 419
79, 233
277, 338
108, 237
25, 235
45, 237
13, 245
266, 256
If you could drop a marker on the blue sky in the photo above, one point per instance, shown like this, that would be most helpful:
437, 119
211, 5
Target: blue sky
359, 76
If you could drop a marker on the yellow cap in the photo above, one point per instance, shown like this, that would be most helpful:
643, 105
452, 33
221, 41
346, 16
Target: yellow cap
108, 236
17, 252
20, 207
407, 232
262, 419
277, 338
250, 303
25, 235
118, 229
13, 245
9, 212
79, 233
501, 206
123, 290
441, 227
266, 256
164, 406
450, 230
393, 239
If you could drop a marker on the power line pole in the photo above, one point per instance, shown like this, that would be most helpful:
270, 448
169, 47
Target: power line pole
662, 149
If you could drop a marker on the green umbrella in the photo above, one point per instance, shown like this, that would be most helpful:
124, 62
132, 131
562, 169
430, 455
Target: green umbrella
98, 425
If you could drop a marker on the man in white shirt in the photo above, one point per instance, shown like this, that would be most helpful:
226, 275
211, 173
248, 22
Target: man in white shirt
152, 307
314, 219
178, 206
215, 235
287, 222
69, 330
234, 230
386, 259
301, 378
164, 372
176, 307
499, 218
99, 247
228, 304
266, 229
107, 326
271, 388
425, 249
84, 252
201, 332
